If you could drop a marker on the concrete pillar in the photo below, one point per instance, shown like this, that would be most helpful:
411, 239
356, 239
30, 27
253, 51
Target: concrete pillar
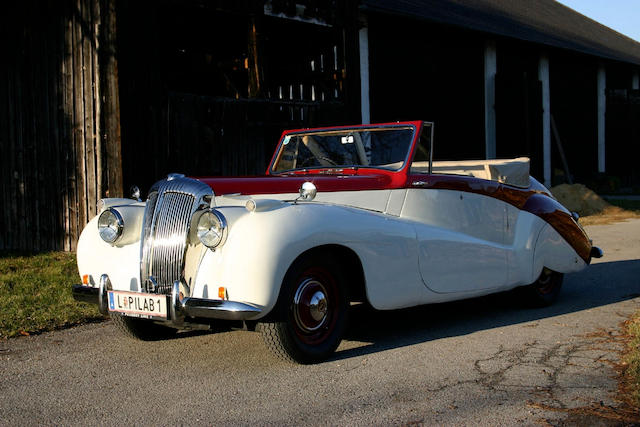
602, 110
490, 69
543, 76
635, 80
363, 38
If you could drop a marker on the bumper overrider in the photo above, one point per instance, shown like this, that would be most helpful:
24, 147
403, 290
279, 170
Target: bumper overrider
178, 309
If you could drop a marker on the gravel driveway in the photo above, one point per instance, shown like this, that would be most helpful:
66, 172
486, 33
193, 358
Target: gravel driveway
486, 361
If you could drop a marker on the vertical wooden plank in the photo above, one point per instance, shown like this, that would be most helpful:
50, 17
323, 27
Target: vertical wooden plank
5, 159
30, 144
78, 123
95, 9
19, 170
255, 67
111, 97
56, 80
88, 113
71, 199
33, 141
55, 33
13, 136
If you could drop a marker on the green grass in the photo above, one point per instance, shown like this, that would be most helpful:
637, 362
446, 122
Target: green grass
35, 294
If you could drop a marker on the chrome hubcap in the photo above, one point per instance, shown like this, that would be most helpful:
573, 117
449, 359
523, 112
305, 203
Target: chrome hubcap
310, 305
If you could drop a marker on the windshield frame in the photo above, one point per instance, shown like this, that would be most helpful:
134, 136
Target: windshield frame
415, 126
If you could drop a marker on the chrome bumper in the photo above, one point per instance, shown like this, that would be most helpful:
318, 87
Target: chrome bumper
193, 308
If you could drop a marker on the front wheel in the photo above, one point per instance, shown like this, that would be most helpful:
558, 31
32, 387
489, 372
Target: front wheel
544, 291
310, 317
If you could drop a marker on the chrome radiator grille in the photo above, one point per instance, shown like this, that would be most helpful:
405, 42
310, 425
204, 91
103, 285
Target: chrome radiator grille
170, 206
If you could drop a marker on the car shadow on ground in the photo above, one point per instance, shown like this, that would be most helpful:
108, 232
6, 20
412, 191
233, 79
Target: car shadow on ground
600, 284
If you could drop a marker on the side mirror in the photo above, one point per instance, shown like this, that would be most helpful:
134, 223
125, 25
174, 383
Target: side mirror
308, 191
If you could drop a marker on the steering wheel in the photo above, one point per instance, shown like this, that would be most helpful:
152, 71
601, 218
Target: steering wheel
320, 158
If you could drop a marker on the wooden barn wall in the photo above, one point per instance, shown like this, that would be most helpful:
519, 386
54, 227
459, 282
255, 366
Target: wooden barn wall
208, 87
53, 168
187, 95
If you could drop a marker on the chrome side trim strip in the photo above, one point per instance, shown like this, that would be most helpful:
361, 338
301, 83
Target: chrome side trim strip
219, 309
208, 308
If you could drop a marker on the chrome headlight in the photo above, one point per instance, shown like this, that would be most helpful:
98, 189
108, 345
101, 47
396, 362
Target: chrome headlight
110, 225
212, 228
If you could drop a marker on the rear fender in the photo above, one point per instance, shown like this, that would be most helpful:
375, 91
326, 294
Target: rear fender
553, 251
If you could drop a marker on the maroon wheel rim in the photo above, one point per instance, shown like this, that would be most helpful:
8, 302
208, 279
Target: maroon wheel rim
546, 284
314, 306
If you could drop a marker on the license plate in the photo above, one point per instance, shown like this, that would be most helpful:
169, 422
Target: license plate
135, 304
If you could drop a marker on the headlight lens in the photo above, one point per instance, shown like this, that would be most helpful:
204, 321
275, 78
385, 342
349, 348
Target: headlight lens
110, 225
212, 228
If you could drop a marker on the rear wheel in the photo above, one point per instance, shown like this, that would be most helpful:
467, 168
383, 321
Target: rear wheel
544, 291
310, 317
142, 329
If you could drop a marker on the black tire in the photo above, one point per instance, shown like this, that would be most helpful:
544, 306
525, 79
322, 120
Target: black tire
309, 319
142, 329
544, 291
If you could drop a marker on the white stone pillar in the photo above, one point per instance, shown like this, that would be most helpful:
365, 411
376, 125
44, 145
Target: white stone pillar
602, 110
635, 80
543, 76
364, 75
490, 69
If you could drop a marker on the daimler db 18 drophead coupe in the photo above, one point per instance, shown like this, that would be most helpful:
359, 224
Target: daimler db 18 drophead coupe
343, 214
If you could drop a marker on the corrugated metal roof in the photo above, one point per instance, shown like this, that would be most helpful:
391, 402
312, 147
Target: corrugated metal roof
546, 22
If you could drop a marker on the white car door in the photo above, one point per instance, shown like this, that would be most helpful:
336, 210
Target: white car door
461, 239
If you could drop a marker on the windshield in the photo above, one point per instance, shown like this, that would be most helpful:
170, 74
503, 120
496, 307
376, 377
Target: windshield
386, 148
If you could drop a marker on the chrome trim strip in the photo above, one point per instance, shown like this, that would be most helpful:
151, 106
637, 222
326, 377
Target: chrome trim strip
219, 309
209, 308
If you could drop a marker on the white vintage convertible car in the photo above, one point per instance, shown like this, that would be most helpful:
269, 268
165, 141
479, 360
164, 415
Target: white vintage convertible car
342, 215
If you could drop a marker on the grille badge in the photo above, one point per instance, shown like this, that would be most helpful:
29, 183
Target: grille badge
153, 284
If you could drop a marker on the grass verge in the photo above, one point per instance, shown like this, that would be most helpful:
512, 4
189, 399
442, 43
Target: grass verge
35, 294
632, 358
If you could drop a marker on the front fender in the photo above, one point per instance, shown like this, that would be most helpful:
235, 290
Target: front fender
96, 257
261, 246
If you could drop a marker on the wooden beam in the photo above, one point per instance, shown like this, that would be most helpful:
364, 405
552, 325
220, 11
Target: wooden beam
111, 100
254, 66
